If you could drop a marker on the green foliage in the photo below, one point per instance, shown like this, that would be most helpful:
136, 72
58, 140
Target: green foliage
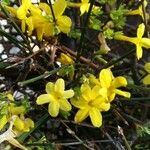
118, 16
108, 33
143, 131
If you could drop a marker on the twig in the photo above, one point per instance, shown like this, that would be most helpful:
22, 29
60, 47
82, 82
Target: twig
75, 136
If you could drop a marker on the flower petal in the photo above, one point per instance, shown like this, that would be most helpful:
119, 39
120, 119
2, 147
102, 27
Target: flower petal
140, 30
19, 124
86, 92
147, 67
105, 78
146, 80
119, 82
145, 42
16, 110
79, 103
44, 98
59, 7
96, 117
49, 88
123, 93
45, 7
139, 51
64, 24
53, 108
21, 12
81, 115
59, 86
65, 105
84, 8
68, 94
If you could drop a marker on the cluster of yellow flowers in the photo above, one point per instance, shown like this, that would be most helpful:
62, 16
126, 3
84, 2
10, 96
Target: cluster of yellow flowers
19, 125
44, 20
95, 96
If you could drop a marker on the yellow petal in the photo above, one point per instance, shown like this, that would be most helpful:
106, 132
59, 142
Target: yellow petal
65, 59
48, 29
79, 103
84, 1
111, 96
105, 78
35, 10
68, 94
29, 23
19, 124
145, 42
81, 115
64, 24
49, 87
105, 106
119, 82
21, 12
147, 67
139, 51
146, 80
28, 124
59, 7
59, 86
96, 117
86, 92
45, 7
95, 92
140, 30
44, 98
134, 12
123, 93
84, 8
3, 121
53, 108
16, 110
26, 3
65, 105
103, 92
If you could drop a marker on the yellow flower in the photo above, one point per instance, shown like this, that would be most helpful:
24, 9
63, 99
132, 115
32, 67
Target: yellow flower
138, 41
111, 84
9, 136
23, 124
65, 59
84, 6
139, 11
56, 97
20, 124
146, 79
90, 103
45, 25
23, 12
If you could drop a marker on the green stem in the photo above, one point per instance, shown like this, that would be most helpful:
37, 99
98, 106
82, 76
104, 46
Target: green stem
116, 61
133, 86
80, 49
45, 75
